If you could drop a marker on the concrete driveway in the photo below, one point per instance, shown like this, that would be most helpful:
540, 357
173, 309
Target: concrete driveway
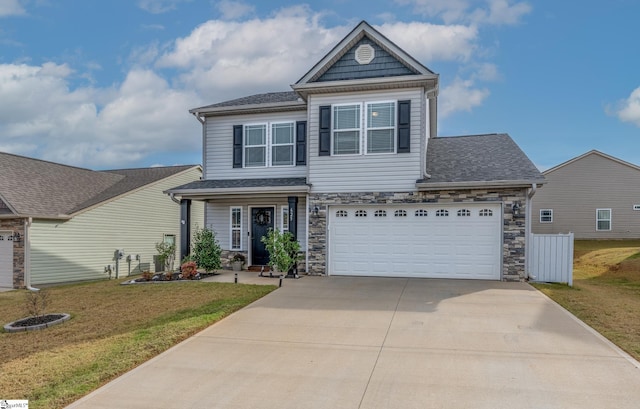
342, 342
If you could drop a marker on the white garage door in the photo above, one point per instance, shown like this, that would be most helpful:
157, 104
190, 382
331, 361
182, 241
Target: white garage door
6, 259
441, 241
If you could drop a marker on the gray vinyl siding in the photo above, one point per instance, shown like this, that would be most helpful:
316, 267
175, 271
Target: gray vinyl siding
367, 173
80, 248
383, 65
218, 214
576, 190
219, 147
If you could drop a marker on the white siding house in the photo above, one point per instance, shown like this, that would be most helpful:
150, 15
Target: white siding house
369, 187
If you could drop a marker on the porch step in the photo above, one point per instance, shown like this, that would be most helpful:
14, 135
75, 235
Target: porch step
258, 269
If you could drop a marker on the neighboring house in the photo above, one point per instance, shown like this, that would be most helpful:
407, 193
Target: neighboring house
595, 196
61, 223
349, 162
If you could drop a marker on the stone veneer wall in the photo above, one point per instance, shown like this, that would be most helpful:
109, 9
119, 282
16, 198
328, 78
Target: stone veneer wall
513, 255
227, 255
16, 225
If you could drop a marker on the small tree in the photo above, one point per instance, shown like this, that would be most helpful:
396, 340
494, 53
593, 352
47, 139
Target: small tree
206, 249
283, 249
166, 254
36, 302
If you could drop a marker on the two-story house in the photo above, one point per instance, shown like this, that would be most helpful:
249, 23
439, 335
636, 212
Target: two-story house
349, 161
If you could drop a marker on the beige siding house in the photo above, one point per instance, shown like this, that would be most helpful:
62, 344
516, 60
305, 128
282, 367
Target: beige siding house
65, 224
595, 196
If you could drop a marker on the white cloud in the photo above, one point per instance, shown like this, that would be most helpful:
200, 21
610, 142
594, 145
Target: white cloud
233, 10
41, 116
11, 8
159, 6
495, 12
460, 95
629, 109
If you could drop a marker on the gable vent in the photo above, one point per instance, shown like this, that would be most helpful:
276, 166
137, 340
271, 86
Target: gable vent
365, 54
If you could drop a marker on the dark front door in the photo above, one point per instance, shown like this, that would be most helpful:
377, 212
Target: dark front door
261, 222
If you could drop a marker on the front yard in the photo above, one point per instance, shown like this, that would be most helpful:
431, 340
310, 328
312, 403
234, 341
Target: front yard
113, 329
606, 291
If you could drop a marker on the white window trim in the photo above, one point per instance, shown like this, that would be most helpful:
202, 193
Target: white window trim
363, 130
610, 219
231, 228
284, 215
367, 128
550, 215
268, 144
359, 129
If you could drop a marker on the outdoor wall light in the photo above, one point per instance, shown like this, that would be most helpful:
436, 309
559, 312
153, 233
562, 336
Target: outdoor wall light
16, 237
515, 208
316, 210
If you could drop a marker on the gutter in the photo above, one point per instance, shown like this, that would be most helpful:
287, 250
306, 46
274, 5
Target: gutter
27, 256
426, 186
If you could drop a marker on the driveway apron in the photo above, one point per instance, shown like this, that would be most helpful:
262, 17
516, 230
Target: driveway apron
347, 342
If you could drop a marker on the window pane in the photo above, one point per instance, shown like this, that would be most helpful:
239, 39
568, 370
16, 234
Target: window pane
346, 142
381, 141
255, 156
235, 218
285, 219
603, 214
381, 115
235, 239
255, 134
282, 133
346, 117
282, 155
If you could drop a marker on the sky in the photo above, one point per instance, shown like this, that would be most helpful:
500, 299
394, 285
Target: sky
108, 84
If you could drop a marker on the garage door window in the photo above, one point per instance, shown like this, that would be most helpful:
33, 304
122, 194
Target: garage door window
442, 213
400, 213
380, 213
486, 212
341, 213
464, 212
421, 213
361, 213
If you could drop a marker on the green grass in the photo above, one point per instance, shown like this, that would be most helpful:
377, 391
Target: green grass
606, 290
113, 329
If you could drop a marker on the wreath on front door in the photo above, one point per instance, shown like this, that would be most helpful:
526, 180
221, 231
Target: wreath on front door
263, 217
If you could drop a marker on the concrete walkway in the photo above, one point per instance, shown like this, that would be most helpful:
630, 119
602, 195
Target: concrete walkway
330, 342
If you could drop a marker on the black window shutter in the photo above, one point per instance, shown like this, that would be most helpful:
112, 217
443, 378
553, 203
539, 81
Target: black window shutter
404, 126
301, 143
325, 131
237, 146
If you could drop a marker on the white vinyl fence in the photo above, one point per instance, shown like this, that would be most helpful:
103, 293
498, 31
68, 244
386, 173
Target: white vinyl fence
551, 258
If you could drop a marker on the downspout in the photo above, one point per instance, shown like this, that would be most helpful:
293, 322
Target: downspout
432, 132
27, 256
173, 197
527, 230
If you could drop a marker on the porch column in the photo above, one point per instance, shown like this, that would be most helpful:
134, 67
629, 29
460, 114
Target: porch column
185, 228
293, 216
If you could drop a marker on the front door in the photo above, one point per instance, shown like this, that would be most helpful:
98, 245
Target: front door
261, 222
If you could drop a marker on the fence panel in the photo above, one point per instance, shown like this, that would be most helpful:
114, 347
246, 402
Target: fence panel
551, 258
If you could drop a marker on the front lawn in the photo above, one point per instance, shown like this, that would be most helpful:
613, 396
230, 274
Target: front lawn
606, 290
113, 329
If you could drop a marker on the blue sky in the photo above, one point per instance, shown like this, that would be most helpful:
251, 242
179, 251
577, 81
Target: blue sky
107, 84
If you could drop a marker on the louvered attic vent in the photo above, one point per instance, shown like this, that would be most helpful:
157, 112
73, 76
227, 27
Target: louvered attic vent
365, 54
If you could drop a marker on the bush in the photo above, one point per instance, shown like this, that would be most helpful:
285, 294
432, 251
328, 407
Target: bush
166, 254
283, 250
189, 270
206, 250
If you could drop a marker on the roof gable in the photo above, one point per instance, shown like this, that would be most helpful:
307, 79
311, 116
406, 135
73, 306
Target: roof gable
590, 153
340, 64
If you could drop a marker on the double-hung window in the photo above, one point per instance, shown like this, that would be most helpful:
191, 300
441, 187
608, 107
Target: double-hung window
236, 228
284, 220
546, 215
255, 145
381, 127
282, 139
354, 133
346, 129
603, 219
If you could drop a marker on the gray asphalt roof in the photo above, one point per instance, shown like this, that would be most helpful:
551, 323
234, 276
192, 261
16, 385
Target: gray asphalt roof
240, 183
478, 158
33, 187
266, 98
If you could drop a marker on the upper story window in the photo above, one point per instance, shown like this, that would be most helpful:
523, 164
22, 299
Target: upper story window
603, 219
353, 134
546, 215
268, 144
